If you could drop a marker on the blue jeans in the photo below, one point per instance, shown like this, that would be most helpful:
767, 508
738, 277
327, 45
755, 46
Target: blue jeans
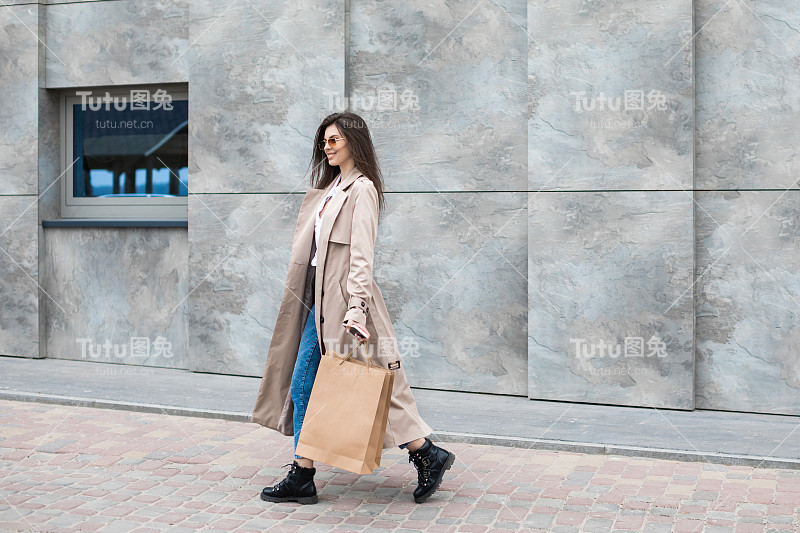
305, 370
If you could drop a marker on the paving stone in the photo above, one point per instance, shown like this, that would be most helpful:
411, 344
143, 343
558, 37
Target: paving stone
658, 527
481, 516
54, 445
598, 525
577, 508
500, 524
63, 521
120, 526
607, 507
541, 521
753, 507
549, 502
565, 529
663, 511
424, 513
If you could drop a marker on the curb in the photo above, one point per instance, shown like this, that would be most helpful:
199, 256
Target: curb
619, 449
78, 401
441, 436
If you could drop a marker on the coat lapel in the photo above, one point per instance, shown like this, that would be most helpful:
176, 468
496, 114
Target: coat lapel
329, 216
304, 234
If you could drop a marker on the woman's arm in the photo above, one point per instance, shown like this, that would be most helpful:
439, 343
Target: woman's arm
362, 244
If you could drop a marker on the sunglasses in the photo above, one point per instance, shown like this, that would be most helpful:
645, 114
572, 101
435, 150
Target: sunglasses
331, 142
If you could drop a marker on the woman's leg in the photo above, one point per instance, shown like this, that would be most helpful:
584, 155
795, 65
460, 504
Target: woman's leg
305, 370
414, 445
298, 486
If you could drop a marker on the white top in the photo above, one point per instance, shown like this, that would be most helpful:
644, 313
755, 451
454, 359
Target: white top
318, 219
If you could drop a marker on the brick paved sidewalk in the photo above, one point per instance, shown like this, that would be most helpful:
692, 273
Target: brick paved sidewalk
68, 468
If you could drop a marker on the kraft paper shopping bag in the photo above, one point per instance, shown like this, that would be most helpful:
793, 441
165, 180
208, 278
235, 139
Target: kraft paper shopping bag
345, 422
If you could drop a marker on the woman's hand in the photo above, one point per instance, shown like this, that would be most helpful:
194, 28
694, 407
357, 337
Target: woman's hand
347, 324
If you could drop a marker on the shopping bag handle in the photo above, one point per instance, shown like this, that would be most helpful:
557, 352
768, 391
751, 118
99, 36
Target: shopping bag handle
369, 359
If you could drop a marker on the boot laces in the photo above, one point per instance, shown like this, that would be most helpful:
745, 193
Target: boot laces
292, 472
423, 464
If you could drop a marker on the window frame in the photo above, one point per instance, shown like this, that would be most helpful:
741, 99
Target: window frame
133, 208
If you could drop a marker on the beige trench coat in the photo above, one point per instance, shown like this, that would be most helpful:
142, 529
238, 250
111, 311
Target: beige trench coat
343, 280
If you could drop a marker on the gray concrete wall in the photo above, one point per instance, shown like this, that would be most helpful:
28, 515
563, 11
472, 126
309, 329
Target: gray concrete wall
452, 243
748, 215
530, 227
19, 236
610, 233
257, 78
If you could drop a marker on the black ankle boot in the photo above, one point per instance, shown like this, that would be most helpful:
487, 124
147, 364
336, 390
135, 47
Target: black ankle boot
298, 486
430, 462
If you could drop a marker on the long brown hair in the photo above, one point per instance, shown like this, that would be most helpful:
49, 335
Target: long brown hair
354, 129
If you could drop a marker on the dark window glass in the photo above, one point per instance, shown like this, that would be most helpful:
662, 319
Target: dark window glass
128, 151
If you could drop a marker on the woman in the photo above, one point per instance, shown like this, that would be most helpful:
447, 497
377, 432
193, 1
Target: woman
329, 289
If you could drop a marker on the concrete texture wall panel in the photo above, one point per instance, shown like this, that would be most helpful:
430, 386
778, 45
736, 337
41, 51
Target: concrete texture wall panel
19, 276
259, 71
748, 95
262, 69
606, 267
747, 247
118, 42
19, 243
240, 249
748, 331
49, 170
18, 93
109, 285
442, 86
582, 58
611, 109
452, 269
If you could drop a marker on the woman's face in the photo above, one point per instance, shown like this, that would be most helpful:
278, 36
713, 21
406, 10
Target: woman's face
340, 154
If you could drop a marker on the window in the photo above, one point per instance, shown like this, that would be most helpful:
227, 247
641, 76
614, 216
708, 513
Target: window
125, 153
